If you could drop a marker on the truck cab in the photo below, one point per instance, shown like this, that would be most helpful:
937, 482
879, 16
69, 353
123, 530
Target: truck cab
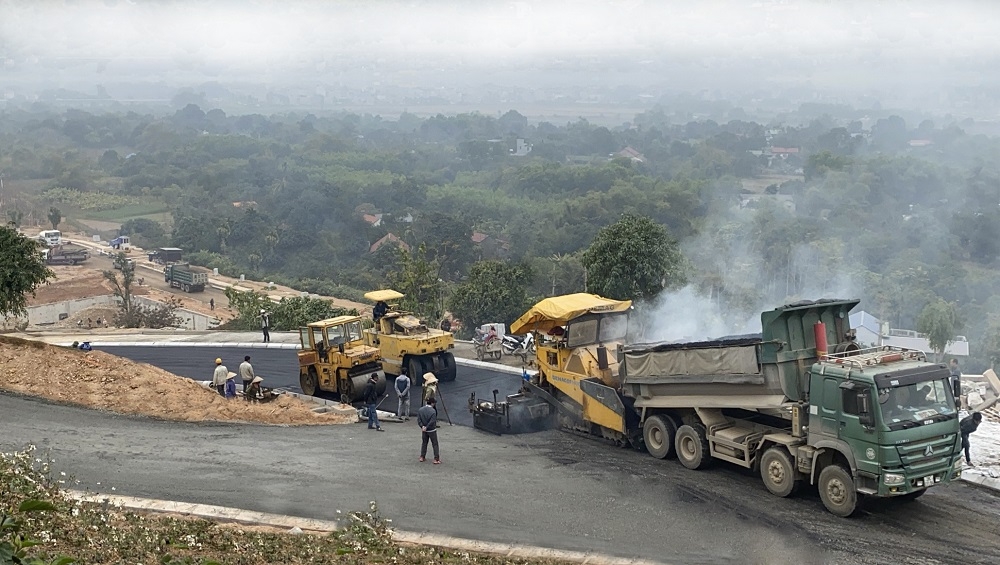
889, 416
50, 237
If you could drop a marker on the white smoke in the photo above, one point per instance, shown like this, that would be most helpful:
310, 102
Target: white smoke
687, 315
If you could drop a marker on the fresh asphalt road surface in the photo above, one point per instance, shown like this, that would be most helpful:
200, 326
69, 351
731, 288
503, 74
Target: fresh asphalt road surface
552, 489
280, 369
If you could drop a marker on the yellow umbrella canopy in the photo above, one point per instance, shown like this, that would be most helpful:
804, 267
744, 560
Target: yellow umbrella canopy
383, 295
559, 310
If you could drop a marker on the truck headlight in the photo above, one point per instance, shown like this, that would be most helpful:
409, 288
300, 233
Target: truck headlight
894, 479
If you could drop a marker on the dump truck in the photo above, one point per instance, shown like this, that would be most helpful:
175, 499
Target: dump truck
180, 275
405, 341
334, 358
65, 255
800, 402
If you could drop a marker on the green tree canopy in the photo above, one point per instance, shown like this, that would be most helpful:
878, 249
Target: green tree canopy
494, 292
939, 321
289, 314
21, 271
55, 217
632, 259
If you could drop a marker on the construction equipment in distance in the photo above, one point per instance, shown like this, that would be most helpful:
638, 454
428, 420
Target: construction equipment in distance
405, 341
881, 422
334, 358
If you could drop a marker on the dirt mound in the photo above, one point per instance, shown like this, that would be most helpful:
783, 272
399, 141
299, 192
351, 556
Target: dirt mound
98, 380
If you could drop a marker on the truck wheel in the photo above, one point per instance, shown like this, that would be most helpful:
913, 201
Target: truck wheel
836, 490
449, 371
691, 446
414, 368
186, 287
659, 433
777, 470
308, 382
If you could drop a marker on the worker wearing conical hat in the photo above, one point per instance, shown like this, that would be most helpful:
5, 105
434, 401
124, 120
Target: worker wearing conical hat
429, 388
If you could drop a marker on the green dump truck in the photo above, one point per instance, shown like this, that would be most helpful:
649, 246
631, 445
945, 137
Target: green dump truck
180, 275
800, 402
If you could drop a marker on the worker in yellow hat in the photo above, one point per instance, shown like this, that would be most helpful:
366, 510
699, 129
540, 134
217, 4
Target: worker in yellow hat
219, 377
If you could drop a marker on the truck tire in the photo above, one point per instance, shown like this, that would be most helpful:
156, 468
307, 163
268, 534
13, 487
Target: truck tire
414, 368
186, 287
777, 470
659, 434
449, 371
836, 490
309, 382
691, 446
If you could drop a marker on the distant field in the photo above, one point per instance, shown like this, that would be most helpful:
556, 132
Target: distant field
154, 211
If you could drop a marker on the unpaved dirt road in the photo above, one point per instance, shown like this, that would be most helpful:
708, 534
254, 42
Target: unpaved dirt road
551, 489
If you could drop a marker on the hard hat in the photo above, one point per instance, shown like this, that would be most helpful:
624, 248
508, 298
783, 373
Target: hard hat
218, 361
261, 310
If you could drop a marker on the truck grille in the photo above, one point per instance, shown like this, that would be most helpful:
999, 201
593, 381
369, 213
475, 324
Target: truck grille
917, 459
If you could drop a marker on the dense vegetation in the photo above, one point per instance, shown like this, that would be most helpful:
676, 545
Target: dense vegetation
904, 217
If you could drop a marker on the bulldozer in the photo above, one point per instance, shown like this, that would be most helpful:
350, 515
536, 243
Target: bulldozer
406, 342
335, 358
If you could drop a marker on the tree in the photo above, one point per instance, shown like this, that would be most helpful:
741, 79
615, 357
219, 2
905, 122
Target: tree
22, 269
495, 291
634, 258
939, 322
55, 217
16, 217
418, 280
287, 315
129, 314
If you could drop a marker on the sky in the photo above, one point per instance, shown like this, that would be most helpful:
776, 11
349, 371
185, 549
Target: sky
246, 34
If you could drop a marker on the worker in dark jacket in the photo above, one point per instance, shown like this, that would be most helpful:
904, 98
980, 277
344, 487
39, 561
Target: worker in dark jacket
380, 309
371, 400
968, 425
427, 420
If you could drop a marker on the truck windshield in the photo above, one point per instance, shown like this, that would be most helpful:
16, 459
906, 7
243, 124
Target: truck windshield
916, 404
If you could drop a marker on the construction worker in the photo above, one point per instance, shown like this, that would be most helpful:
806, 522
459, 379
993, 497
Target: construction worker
371, 401
427, 420
265, 324
230, 389
253, 393
429, 389
403, 392
246, 372
379, 310
219, 377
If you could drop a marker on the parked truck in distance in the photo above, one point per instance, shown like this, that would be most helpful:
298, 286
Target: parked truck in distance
65, 255
166, 255
180, 275
799, 403
50, 237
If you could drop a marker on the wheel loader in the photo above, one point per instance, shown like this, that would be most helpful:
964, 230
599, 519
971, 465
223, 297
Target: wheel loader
406, 342
334, 358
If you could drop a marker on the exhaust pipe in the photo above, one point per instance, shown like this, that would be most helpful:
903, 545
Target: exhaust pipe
819, 331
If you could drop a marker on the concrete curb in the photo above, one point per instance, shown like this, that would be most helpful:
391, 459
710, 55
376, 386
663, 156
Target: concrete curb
981, 481
226, 514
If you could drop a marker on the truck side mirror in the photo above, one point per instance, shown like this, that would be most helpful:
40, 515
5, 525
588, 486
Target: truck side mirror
865, 415
957, 390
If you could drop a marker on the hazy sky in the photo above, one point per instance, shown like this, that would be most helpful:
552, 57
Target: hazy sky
245, 34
